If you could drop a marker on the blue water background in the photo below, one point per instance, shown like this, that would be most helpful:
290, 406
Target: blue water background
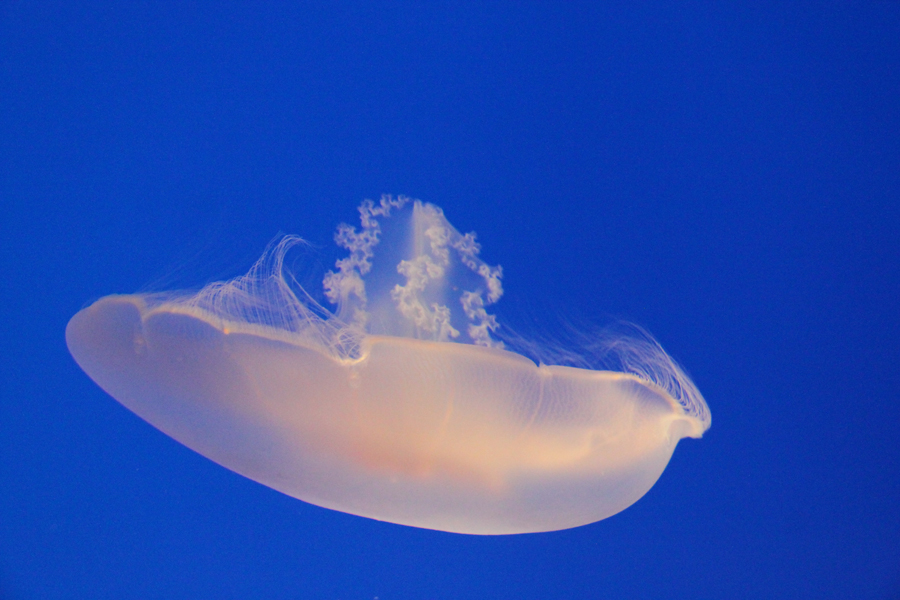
726, 176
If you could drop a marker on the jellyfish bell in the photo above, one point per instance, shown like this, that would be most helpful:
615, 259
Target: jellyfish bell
401, 401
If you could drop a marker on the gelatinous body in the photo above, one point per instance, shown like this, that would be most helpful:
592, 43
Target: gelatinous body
402, 404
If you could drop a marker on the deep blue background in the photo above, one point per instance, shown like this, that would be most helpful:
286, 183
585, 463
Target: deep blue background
728, 177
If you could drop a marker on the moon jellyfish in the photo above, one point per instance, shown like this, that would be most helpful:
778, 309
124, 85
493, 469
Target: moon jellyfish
393, 392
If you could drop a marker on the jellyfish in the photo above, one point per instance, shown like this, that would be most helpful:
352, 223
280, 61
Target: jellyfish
393, 392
